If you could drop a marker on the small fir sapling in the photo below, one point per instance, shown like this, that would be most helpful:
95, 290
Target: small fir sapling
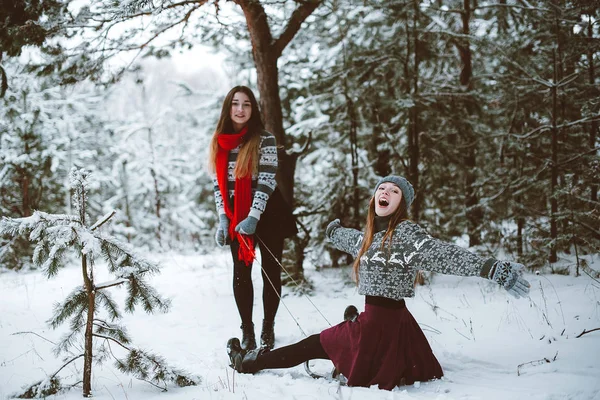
89, 309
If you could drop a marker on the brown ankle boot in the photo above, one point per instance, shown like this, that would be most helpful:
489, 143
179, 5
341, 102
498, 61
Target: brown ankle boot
248, 337
267, 336
243, 361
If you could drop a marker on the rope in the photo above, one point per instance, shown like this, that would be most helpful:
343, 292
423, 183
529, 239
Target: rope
293, 280
263, 245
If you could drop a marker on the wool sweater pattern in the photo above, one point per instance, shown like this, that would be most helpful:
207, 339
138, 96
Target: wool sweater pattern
263, 182
390, 272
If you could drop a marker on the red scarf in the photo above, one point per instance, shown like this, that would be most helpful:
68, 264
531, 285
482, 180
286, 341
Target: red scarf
243, 193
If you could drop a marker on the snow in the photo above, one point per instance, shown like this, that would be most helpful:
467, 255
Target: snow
489, 344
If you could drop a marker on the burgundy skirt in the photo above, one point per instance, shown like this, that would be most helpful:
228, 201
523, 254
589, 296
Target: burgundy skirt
384, 347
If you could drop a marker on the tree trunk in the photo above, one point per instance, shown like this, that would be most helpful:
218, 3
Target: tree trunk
354, 155
89, 326
25, 197
414, 125
125, 186
470, 159
270, 105
554, 169
381, 157
592, 80
520, 227
88, 280
157, 203
266, 51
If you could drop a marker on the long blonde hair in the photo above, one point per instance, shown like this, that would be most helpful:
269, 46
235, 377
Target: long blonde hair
400, 215
247, 159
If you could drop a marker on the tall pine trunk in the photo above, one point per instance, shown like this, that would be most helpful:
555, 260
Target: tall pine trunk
88, 280
470, 159
592, 80
414, 123
381, 157
88, 356
554, 168
266, 51
351, 109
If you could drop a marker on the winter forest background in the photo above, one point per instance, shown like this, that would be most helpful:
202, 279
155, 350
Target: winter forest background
490, 108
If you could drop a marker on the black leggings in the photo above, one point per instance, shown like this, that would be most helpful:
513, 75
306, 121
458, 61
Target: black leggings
289, 356
243, 291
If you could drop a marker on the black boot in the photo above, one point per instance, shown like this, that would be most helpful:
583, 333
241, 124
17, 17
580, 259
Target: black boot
350, 314
248, 337
267, 336
241, 360
235, 353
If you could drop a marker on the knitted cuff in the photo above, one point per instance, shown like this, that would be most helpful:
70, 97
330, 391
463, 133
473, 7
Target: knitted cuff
255, 213
488, 268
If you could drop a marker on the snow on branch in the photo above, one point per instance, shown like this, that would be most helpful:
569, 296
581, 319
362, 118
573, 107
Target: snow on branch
153, 369
54, 235
103, 220
35, 223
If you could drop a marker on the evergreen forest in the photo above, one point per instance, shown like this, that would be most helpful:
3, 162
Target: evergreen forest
490, 108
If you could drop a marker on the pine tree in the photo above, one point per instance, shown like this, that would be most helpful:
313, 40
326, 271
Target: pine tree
26, 23
28, 130
85, 307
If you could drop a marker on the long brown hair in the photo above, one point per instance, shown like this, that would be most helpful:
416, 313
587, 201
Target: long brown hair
401, 214
247, 159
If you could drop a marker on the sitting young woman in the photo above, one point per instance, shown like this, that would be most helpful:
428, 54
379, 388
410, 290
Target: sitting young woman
384, 345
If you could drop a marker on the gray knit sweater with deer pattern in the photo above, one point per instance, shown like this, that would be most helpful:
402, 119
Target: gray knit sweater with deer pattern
390, 272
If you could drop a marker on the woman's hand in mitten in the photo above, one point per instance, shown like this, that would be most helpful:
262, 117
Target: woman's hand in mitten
247, 226
333, 225
222, 230
509, 275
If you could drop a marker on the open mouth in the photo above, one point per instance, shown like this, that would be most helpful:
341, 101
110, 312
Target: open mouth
383, 202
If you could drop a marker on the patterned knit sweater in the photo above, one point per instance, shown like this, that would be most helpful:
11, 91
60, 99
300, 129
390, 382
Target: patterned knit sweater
263, 183
391, 272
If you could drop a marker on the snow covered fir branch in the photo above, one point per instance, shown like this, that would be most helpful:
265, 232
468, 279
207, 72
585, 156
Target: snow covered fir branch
55, 235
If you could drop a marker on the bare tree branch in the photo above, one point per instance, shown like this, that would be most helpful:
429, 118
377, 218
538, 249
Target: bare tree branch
65, 364
116, 283
33, 333
303, 149
586, 331
113, 339
298, 16
578, 156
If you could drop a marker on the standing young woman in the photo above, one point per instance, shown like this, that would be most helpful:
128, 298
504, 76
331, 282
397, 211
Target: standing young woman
384, 345
243, 157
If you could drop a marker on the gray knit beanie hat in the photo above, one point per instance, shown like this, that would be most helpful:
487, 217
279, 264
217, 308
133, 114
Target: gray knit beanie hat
408, 192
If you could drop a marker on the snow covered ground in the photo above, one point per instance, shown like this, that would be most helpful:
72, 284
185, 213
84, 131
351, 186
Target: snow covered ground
479, 333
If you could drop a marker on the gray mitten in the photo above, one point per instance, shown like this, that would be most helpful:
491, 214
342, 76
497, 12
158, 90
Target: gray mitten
247, 226
333, 225
509, 275
222, 230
